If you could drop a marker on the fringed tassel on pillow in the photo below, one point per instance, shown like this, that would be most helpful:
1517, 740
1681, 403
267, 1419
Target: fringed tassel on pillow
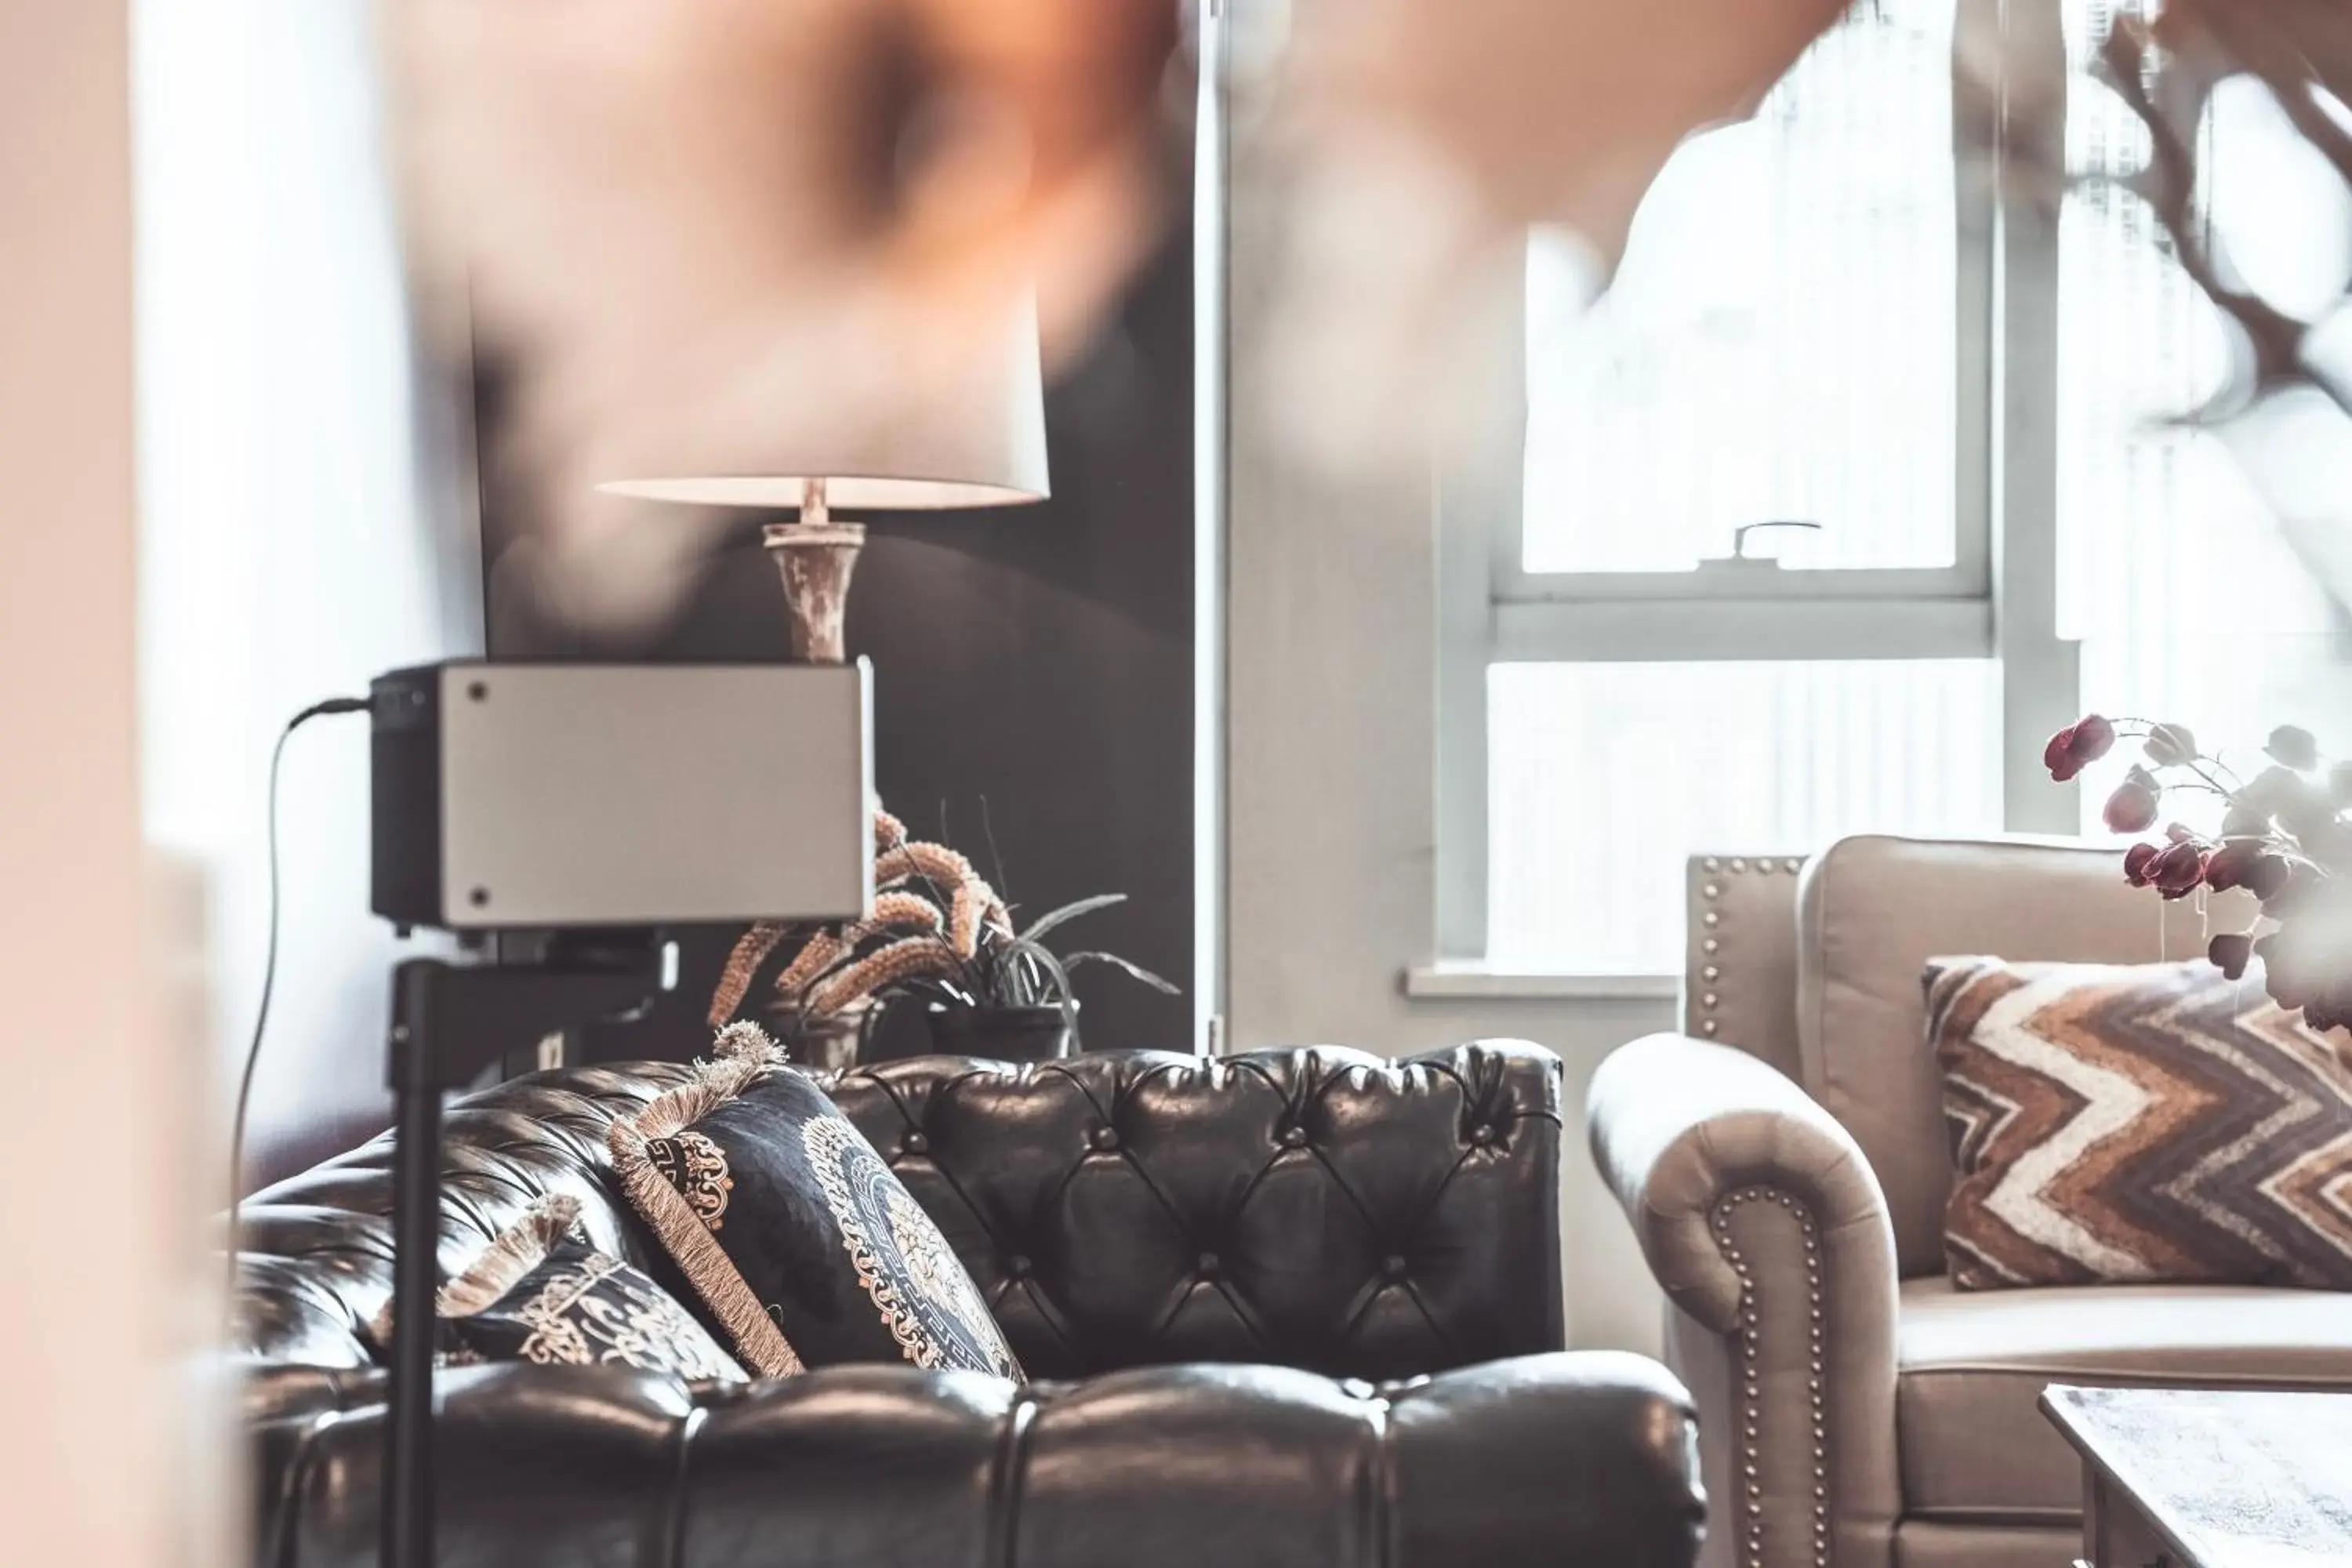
681, 1231
746, 1041
517, 1250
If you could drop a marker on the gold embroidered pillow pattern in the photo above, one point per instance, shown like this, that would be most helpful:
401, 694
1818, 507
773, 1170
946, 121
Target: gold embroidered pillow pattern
805, 1248
542, 1293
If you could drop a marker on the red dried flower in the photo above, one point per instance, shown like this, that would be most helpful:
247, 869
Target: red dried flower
2131, 809
2228, 867
2293, 747
2230, 952
2243, 821
2281, 884
2269, 790
2137, 861
2058, 756
2169, 745
2090, 738
2283, 976
2267, 876
2178, 869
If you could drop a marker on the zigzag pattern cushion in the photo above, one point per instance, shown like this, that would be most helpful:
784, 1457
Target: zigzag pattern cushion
2141, 1123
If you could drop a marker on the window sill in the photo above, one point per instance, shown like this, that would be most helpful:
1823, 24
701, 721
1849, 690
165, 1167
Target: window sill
1459, 980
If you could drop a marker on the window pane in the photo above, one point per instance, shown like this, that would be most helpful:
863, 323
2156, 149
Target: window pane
1604, 777
1779, 342
2189, 602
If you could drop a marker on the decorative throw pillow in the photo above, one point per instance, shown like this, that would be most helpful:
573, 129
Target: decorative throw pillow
805, 1247
541, 1292
2142, 1122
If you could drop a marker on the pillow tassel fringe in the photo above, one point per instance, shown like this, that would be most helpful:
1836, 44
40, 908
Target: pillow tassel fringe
519, 1248
698, 1254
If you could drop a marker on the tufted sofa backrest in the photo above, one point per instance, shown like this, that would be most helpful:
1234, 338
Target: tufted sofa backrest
1318, 1207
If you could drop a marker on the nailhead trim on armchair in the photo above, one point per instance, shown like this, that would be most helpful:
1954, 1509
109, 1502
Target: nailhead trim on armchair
1751, 1522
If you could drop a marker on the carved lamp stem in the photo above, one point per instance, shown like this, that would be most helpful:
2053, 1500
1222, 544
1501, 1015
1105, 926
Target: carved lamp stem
815, 556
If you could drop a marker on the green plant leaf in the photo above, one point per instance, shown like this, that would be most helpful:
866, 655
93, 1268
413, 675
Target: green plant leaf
1032, 977
1134, 970
1050, 919
944, 993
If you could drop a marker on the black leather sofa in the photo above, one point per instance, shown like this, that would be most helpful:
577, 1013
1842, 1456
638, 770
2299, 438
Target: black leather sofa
1298, 1308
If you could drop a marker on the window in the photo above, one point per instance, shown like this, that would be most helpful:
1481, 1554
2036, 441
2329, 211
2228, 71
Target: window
1812, 379
1668, 755
1818, 314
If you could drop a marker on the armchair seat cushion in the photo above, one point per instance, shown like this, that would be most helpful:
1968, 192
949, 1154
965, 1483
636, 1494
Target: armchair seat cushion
1972, 1365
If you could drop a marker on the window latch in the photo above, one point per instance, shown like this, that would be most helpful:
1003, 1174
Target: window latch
1739, 559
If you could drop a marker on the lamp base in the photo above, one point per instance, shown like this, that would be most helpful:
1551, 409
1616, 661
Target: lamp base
815, 559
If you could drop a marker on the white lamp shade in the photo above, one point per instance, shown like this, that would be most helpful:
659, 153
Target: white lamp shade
972, 435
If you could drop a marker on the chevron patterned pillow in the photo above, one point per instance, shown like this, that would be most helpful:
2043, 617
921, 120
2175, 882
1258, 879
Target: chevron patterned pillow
2138, 1123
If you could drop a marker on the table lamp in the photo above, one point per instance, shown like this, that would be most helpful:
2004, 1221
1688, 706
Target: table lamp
976, 440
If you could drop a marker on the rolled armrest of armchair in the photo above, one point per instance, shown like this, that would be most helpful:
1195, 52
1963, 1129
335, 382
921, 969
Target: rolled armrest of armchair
1761, 1220
1679, 1125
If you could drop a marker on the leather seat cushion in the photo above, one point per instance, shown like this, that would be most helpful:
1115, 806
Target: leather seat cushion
1971, 1367
1569, 1458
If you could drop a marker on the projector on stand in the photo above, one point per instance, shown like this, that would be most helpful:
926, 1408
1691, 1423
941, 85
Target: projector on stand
578, 798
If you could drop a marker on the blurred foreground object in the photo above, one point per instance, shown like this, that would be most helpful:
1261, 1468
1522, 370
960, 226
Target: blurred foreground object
2249, 174
649, 223
1415, 153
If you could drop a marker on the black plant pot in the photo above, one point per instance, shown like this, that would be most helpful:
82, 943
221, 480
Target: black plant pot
832, 1044
1005, 1033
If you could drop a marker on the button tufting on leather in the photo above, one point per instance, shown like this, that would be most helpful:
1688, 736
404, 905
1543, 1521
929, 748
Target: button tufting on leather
1393, 1265
1311, 1156
1207, 1266
1106, 1138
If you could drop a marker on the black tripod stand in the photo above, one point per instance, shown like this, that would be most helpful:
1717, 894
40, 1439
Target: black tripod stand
448, 1022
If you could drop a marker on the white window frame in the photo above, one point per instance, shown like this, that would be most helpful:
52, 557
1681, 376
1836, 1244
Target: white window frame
1997, 600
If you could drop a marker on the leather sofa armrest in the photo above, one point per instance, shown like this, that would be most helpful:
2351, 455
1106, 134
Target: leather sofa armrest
1679, 1125
1762, 1221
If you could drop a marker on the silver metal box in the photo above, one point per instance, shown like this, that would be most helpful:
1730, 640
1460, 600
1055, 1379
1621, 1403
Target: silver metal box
539, 795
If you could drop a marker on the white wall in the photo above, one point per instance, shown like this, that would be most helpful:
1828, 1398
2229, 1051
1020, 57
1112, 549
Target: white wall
99, 1302
1331, 712
287, 548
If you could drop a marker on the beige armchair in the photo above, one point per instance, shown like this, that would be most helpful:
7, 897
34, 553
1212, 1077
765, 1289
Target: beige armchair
1783, 1160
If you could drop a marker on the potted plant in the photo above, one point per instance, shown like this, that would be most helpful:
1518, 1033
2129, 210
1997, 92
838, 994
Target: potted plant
1013, 1001
939, 932
2285, 837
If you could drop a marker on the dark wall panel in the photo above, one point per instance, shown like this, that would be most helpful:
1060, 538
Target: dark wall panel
1038, 659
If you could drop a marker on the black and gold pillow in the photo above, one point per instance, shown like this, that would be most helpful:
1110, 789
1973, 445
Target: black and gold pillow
541, 1292
805, 1247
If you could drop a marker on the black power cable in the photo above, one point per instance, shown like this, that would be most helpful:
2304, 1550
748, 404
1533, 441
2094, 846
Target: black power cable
269, 974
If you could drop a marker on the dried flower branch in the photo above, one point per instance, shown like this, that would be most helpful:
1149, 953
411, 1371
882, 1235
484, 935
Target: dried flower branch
2128, 64
912, 958
937, 930
751, 951
2285, 838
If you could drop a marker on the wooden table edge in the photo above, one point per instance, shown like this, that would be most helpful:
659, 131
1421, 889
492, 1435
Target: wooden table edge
2058, 1414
